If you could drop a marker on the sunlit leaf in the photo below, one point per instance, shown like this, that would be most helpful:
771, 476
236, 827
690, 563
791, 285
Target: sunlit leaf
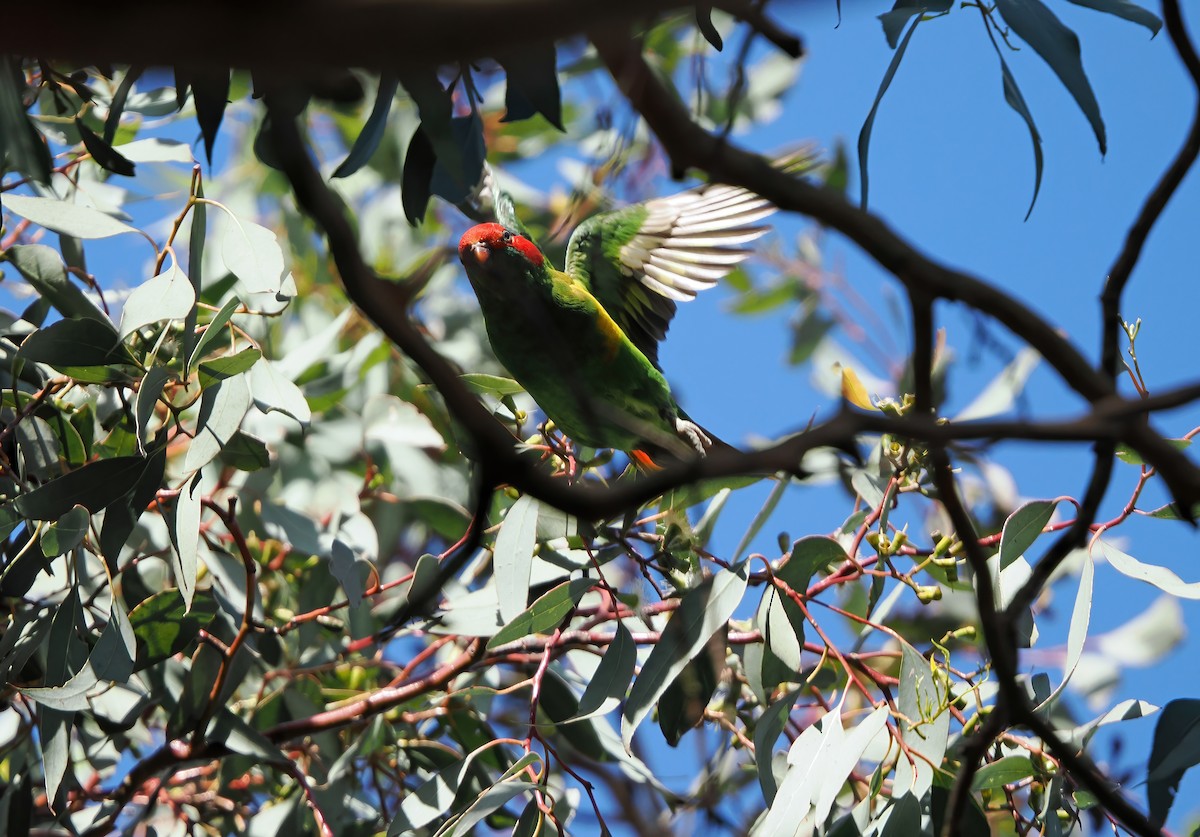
164, 625
512, 556
167, 296
66, 218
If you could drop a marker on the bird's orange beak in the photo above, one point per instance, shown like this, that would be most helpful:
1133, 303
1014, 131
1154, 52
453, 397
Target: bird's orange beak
479, 251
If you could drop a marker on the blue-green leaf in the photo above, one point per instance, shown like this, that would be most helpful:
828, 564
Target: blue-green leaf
1005, 771
67, 218
373, 129
1037, 26
1124, 9
1022, 528
612, 676
766, 732
1016, 101
545, 614
1176, 748
893, 21
702, 612
864, 135
167, 296
513, 557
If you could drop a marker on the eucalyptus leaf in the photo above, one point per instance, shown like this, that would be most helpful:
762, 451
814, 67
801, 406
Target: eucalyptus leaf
701, 613
1058, 46
67, 218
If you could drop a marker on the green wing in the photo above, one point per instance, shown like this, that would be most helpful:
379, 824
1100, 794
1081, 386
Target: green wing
640, 261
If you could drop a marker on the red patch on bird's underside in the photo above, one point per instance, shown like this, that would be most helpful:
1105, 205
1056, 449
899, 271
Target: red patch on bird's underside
644, 459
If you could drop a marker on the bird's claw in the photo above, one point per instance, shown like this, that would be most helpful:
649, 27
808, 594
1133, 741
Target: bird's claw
691, 433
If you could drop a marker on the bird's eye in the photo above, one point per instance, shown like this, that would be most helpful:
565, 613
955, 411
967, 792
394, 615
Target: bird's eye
507, 237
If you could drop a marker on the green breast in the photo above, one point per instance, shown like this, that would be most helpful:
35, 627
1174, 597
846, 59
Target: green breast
600, 392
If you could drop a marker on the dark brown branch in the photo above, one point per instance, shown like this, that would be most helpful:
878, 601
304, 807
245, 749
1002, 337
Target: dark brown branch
304, 38
1156, 201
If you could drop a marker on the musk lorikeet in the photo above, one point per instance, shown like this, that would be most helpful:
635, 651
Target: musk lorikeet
584, 342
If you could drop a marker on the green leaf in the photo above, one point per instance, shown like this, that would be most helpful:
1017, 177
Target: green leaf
223, 368
183, 527
1176, 748
66, 218
545, 614
112, 658
246, 452
1016, 101
1131, 456
273, 391
212, 331
71, 696
459, 166
66, 533
20, 141
210, 93
167, 296
532, 84
147, 398
94, 486
484, 384
611, 677
54, 740
1005, 771
252, 253
703, 611
433, 799
864, 135
122, 515
924, 724
1125, 9
69, 344
222, 409
235, 733
103, 153
373, 129
767, 730
761, 518
165, 626
895, 20
1022, 528
196, 269
512, 556
819, 762
1160, 577
416, 182
1058, 46
42, 268
1081, 615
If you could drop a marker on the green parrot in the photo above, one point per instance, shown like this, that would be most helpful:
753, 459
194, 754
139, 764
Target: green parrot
584, 342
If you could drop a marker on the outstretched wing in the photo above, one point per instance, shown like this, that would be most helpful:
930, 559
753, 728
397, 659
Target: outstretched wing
642, 260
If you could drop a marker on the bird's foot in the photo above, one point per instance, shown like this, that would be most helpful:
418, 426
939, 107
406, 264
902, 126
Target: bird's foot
691, 433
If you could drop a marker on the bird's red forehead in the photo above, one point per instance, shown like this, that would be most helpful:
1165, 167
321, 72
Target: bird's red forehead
482, 240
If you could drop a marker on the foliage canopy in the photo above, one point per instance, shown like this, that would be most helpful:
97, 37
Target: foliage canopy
285, 550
